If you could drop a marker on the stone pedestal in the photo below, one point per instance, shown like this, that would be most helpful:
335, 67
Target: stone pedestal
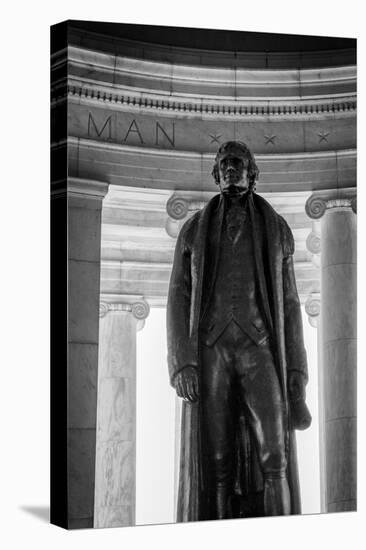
115, 480
338, 344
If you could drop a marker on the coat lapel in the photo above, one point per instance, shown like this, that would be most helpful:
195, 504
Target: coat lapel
272, 235
257, 227
198, 262
217, 232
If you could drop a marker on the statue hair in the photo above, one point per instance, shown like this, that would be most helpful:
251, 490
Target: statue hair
244, 151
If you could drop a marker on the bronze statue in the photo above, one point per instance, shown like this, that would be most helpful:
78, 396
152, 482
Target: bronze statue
235, 351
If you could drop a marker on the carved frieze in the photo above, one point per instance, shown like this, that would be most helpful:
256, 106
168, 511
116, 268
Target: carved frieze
239, 108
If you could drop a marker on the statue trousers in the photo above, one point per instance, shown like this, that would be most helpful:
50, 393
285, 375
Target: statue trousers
235, 370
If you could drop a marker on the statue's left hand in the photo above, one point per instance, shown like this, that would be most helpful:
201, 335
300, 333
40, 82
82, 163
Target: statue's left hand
296, 385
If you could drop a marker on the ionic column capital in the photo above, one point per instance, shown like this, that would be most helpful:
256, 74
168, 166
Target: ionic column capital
139, 309
313, 243
312, 308
320, 201
178, 207
182, 206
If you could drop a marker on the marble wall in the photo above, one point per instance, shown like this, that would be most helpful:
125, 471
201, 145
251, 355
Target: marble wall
84, 234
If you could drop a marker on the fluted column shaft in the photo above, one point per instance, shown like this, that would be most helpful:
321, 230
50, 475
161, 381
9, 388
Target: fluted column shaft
115, 478
338, 347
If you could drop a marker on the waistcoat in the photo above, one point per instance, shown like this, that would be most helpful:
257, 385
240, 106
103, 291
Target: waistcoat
234, 294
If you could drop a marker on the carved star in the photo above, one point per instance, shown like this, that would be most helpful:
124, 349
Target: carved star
215, 138
270, 139
323, 136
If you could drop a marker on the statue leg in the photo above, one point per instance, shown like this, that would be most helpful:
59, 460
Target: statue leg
262, 397
276, 496
217, 428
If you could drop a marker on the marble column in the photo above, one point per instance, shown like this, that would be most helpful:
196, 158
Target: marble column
312, 308
75, 353
336, 209
115, 478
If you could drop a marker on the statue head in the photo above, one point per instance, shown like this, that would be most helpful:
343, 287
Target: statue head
235, 170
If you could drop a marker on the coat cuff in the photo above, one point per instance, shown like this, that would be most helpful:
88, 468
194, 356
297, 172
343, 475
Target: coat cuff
303, 374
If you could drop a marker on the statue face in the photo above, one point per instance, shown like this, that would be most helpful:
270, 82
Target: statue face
233, 174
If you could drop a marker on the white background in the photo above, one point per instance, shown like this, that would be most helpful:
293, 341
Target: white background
24, 399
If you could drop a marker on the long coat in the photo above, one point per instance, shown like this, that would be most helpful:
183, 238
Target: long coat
277, 286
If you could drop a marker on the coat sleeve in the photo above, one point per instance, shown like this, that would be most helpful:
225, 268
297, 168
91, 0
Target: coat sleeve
181, 350
294, 338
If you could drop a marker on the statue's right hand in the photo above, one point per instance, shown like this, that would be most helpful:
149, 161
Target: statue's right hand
186, 384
